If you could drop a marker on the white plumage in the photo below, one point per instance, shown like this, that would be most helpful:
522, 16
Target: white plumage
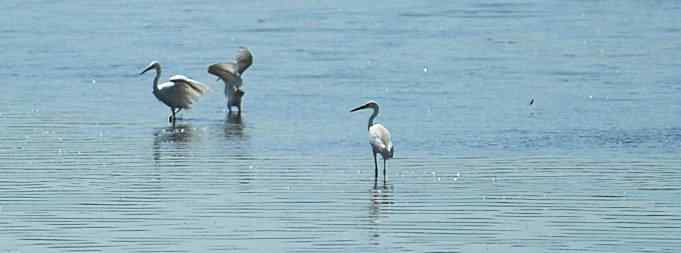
179, 93
379, 138
230, 73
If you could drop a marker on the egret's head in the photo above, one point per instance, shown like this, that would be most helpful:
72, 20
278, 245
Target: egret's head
371, 104
152, 65
244, 59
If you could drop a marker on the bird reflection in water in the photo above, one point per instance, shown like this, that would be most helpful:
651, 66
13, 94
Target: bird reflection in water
381, 201
239, 150
234, 125
179, 135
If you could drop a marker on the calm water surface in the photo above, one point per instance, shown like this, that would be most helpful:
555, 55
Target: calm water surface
89, 163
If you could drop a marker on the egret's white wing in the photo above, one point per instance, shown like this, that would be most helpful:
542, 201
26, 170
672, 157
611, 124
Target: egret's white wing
178, 78
195, 86
171, 95
226, 71
379, 138
166, 86
181, 92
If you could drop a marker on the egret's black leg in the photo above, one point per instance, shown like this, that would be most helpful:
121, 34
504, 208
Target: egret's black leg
170, 117
173, 116
384, 176
375, 168
176, 113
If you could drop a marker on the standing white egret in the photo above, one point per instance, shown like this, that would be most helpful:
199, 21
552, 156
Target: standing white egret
230, 73
379, 138
179, 93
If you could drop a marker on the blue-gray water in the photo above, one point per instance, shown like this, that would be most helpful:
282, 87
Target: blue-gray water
87, 162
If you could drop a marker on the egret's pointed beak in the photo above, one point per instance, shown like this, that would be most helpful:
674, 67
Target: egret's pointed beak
147, 69
359, 108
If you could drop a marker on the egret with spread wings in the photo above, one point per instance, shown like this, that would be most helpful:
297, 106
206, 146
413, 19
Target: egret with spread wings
379, 137
230, 73
179, 93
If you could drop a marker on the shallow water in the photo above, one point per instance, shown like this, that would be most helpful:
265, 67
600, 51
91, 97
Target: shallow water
89, 162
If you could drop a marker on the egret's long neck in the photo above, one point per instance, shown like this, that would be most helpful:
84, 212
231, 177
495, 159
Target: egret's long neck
158, 75
373, 116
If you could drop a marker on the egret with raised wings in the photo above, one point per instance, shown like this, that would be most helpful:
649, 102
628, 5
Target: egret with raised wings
379, 138
179, 93
230, 73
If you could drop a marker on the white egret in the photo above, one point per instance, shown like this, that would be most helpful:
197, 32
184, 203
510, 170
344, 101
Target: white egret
230, 73
179, 93
379, 138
